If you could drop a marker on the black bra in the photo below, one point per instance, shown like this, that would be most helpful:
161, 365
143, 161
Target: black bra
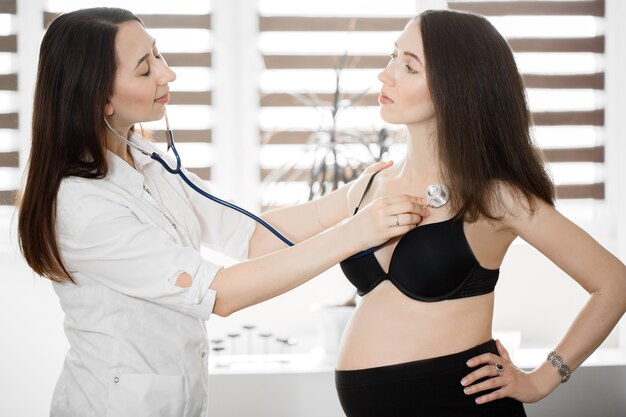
433, 262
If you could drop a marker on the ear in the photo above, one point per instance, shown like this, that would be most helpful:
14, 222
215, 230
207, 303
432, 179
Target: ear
108, 109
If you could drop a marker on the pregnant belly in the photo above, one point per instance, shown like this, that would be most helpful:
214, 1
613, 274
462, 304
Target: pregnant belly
388, 328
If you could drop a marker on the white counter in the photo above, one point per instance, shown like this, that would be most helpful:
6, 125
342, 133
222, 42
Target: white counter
303, 386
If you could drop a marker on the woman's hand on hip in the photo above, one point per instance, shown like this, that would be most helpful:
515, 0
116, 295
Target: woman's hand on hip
385, 218
498, 373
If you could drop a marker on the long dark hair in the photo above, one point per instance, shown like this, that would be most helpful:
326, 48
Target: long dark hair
77, 65
483, 121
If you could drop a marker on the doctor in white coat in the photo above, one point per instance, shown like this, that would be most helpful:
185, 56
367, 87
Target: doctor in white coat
120, 237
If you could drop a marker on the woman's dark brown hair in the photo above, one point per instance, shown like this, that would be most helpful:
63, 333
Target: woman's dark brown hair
483, 121
77, 65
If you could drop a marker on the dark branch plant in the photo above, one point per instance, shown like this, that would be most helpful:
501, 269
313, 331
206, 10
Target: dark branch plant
333, 164
338, 155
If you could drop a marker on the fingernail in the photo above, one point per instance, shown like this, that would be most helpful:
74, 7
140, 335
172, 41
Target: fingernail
467, 390
463, 381
468, 363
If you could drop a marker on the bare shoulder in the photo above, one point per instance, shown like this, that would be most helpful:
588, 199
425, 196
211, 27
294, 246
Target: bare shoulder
358, 186
541, 225
356, 190
513, 208
562, 241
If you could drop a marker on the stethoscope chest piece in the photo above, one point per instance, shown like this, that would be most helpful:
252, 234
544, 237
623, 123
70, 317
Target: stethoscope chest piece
437, 195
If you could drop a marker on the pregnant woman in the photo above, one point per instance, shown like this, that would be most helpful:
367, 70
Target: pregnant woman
420, 342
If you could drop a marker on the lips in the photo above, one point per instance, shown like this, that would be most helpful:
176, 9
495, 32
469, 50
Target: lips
383, 99
163, 99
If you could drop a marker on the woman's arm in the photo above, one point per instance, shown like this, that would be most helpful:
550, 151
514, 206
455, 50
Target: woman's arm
303, 221
600, 273
257, 280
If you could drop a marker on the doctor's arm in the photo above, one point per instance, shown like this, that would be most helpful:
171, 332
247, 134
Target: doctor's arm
260, 279
302, 221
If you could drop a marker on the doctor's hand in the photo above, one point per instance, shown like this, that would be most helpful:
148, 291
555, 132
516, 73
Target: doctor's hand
385, 218
498, 374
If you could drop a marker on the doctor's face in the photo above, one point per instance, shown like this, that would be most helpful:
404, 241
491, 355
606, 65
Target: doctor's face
405, 97
141, 90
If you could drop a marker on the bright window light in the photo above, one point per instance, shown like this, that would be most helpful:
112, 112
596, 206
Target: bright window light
558, 63
556, 100
320, 80
9, 140
193, 154
136, 6
576, 172
7, 63
191, 79
338, 43
567, 136
8, 101
307, 118
177, 40
6, 26
8, 178
373, 8
546, 26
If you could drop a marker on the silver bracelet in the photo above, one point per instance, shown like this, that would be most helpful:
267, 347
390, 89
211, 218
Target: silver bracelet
557, 361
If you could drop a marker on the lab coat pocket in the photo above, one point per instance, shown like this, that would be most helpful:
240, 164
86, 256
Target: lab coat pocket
146, 395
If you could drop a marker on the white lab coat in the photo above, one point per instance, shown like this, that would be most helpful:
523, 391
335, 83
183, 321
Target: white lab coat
138, 343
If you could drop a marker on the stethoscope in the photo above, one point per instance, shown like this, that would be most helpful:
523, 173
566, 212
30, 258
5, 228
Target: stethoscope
437, 194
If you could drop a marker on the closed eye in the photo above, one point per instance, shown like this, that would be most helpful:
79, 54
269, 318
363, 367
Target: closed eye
157, 55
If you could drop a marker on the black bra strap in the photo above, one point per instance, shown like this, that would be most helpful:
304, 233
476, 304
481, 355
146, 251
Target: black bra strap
369, 184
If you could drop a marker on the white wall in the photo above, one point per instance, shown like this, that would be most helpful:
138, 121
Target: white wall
32, 344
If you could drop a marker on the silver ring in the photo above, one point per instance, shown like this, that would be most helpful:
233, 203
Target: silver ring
499, 368
397, 220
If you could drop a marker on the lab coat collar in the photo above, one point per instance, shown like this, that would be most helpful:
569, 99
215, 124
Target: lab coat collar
124, 175
141, 160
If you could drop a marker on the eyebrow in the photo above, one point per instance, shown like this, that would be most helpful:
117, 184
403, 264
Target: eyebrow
411, 54
143, 58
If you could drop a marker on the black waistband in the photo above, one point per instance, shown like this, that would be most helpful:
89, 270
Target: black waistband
420, 368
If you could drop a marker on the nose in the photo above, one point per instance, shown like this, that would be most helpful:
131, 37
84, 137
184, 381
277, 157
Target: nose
167, 75
386, 77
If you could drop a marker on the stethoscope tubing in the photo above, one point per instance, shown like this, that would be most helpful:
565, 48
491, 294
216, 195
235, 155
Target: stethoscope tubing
179, 171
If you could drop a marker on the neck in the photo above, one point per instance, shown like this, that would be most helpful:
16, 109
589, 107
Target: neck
116, 145
419, 167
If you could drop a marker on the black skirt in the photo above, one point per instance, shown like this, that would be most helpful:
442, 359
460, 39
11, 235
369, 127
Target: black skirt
424, 388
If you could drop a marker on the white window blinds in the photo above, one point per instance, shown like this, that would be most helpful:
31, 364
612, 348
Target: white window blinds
559, 47
9, 156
